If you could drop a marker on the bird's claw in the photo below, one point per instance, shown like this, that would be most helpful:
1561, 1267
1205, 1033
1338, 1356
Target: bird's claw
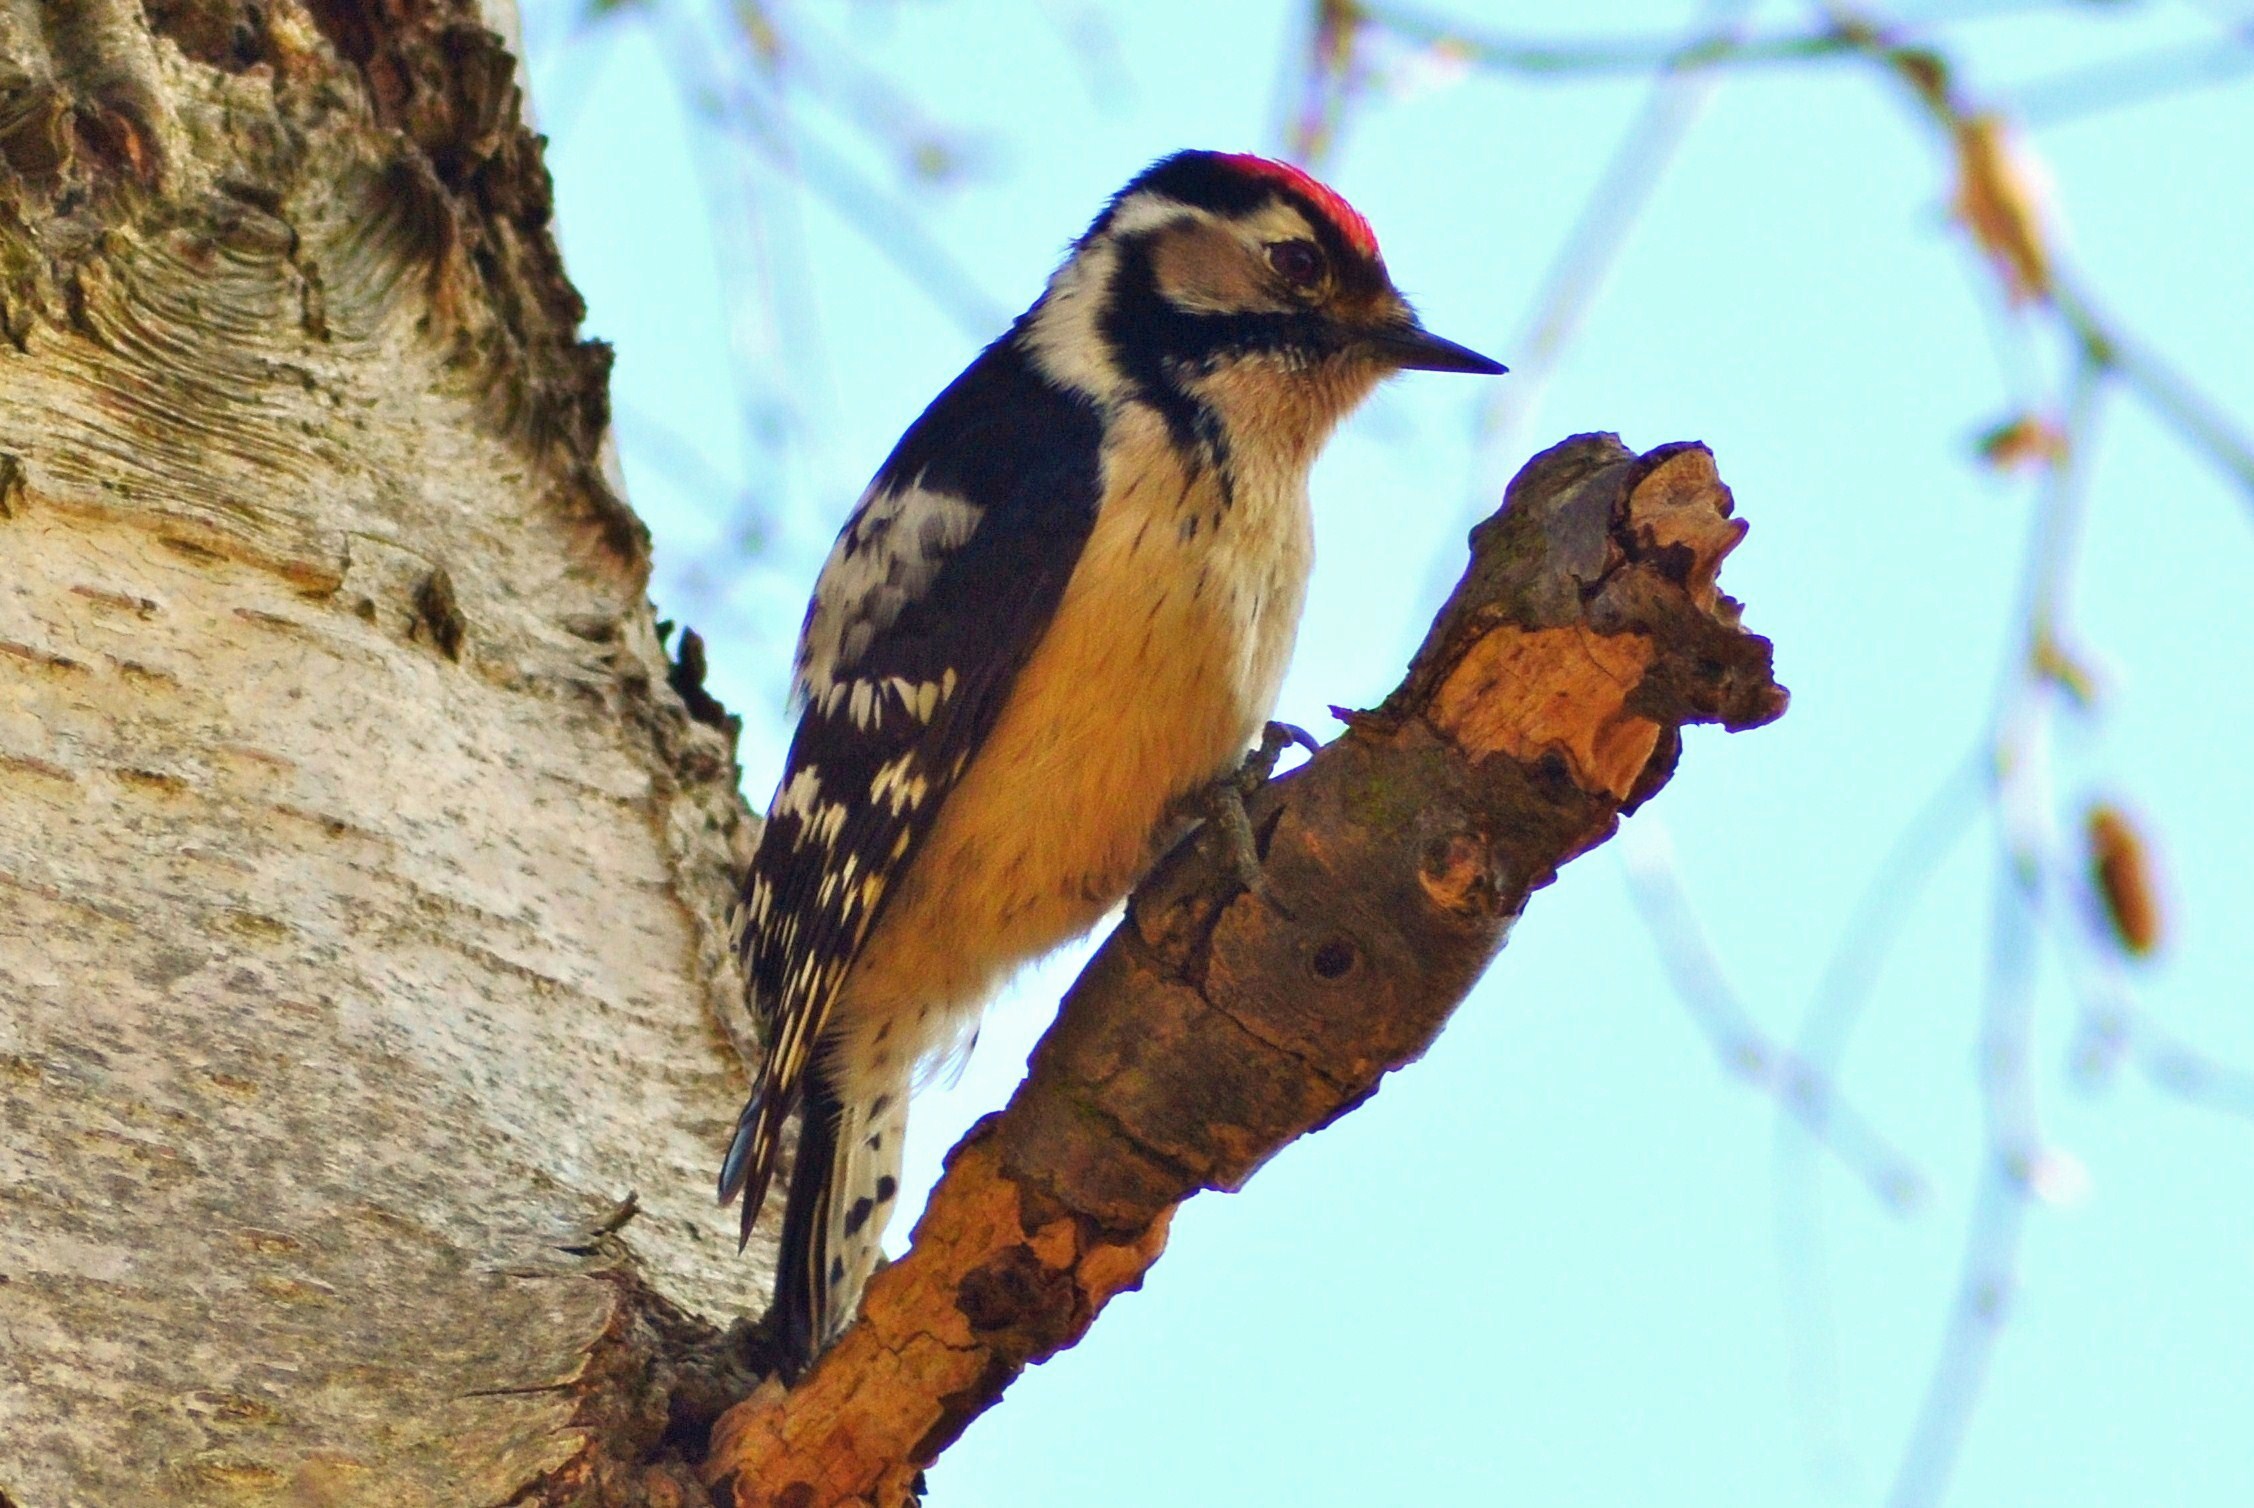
1260, 763
1224, 800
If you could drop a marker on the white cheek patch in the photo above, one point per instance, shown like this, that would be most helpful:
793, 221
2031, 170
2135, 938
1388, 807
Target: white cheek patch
1148, 211
1065, 337
887, 557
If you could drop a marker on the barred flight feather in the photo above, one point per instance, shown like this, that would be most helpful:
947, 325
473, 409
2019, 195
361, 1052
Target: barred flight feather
929, 604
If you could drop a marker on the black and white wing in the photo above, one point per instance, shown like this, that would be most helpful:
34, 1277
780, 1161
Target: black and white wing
934, 595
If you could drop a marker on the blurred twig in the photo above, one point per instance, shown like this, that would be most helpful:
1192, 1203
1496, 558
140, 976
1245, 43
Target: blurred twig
1706, 49
1988, 1269
1800, 1090
653, 442
1093, 46
754, 74
1927, 78
1827, 1023
2114, 1027
1331, 78
2162, 73
2015, 1162
2176, 1068
1679, 95
2169, 394
1599, 233
1585, 259
877, 215
680, 458
828, 73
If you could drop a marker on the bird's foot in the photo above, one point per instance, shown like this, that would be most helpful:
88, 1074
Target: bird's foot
1261, 762
1224, 800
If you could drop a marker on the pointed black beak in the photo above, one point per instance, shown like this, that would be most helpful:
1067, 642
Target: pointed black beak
1414, 348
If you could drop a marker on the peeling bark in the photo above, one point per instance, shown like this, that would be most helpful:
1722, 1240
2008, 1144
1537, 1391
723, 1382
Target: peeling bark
1215, 1025
362, 873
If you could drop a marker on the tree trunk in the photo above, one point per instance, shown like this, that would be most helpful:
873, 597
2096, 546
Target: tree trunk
362, 877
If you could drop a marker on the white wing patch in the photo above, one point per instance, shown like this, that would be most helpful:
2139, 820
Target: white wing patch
898, 785
800, 795
886, 558
866, 701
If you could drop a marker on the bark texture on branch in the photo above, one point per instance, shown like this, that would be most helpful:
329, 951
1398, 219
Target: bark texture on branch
1215, 1025
362, 879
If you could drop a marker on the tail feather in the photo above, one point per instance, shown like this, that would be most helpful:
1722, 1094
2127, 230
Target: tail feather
842, 1189
749, 1167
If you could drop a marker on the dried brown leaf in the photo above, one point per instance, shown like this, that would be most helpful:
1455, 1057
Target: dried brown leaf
2123, 870
2000, 197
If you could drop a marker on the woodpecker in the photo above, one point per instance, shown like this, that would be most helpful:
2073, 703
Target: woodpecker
1061, 610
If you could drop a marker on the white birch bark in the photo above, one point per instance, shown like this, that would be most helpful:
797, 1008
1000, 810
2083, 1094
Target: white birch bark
360, 873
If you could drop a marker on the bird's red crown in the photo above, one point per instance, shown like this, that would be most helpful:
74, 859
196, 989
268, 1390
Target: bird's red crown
1345, 217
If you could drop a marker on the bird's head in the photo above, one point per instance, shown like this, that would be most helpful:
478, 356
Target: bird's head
1235, 293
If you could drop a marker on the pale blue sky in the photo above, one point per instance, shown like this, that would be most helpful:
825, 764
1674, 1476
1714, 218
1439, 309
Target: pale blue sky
1543, 1266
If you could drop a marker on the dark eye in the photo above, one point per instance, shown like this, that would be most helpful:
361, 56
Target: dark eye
1298, 263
